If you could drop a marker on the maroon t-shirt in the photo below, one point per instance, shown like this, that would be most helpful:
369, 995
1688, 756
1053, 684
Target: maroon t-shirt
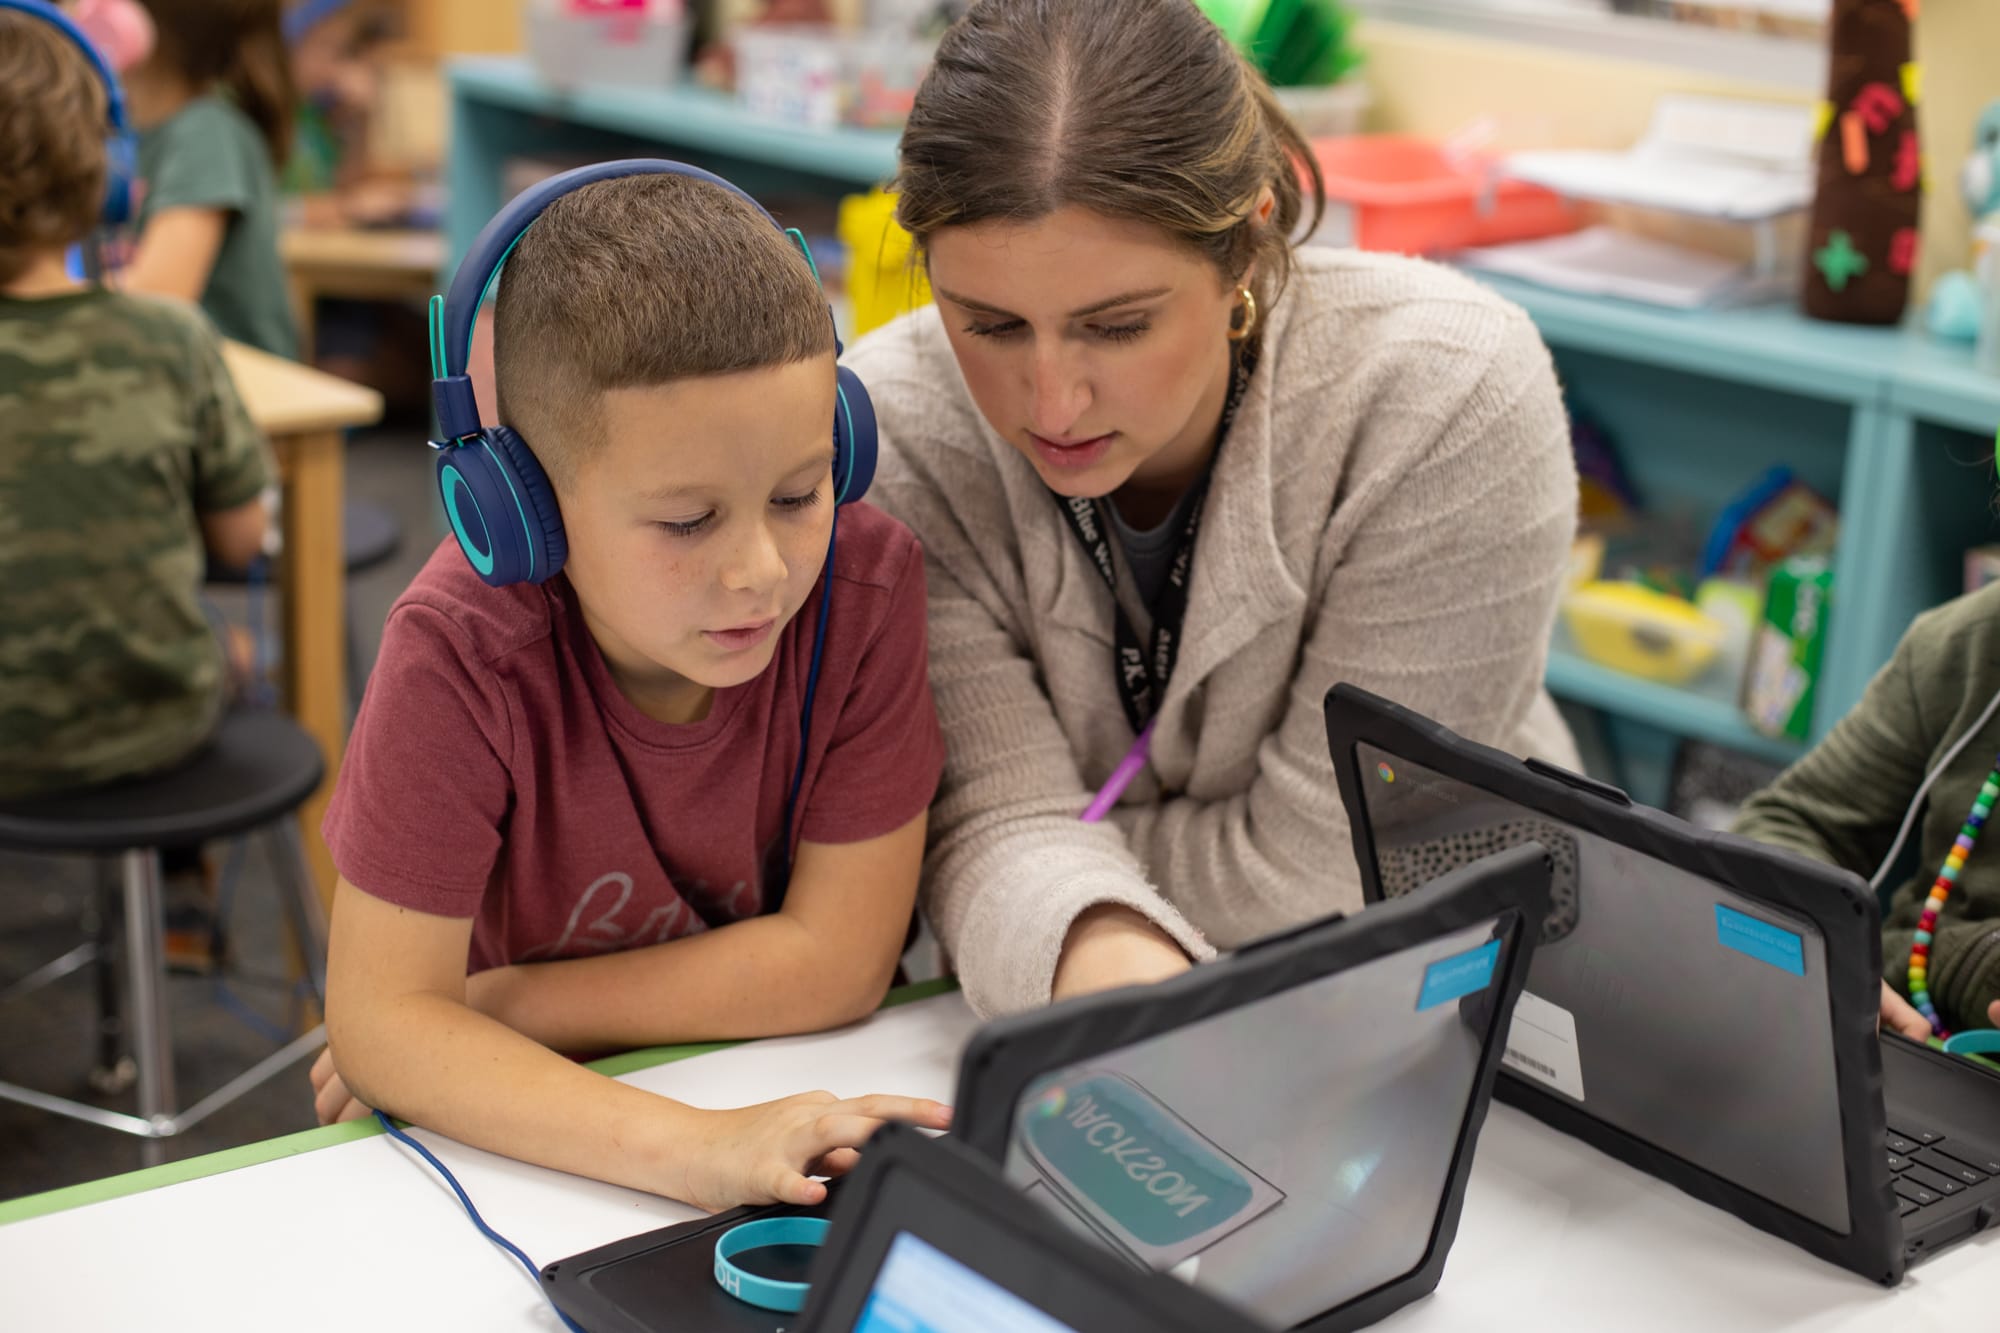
496, 771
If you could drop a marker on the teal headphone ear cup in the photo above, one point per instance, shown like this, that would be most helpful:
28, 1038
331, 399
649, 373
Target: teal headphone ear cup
543, 516
501, 508
854, 441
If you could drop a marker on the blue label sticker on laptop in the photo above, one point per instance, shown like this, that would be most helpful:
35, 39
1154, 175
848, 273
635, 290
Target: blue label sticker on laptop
1133, 1167
1761, 940
1460, 975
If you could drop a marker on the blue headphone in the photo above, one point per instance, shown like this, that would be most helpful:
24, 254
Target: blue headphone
120, 152
495, 493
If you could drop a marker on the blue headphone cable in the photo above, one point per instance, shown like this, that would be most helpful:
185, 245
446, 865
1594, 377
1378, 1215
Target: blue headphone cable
534, 1273
812, 692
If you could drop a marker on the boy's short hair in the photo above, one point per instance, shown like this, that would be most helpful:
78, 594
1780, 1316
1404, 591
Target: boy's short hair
52, 130
641, 281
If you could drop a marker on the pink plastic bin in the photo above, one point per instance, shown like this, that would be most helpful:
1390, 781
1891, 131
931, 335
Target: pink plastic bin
1400, 193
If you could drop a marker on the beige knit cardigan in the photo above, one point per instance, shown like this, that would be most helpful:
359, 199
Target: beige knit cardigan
1394, 506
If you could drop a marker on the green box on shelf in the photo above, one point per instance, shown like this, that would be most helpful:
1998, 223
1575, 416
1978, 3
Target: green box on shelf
1786, 657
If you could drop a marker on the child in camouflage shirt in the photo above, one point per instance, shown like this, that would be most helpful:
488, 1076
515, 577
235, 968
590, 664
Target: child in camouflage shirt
123, 452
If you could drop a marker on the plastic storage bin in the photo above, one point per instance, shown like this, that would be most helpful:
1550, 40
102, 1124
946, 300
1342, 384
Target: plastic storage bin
820, 77
794, 73
1393, 192
578, 43
883, 70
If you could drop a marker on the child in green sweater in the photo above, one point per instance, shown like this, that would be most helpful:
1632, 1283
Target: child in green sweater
1928, 718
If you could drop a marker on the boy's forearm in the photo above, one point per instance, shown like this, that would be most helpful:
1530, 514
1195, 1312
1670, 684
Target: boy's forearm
762, 977
437, 1063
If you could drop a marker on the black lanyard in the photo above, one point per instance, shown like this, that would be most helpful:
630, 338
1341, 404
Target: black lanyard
1142, 676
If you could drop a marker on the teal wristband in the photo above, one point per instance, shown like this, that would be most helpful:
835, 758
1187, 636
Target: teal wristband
1982, 1041
764, 1292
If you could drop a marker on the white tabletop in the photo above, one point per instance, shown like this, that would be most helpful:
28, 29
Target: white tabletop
362, 1236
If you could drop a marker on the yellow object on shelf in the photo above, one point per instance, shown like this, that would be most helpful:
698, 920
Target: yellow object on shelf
883, 278
1641, 632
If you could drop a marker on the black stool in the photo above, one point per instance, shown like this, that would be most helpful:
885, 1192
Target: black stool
253, 774
369, 535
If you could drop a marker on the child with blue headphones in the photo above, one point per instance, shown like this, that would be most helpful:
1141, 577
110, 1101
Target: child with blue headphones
128, 455
647, 753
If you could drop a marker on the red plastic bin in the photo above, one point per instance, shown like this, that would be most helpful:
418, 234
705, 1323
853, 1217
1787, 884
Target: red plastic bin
1403, 194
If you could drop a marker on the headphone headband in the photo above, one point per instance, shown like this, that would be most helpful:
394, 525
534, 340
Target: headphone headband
451, 334
114, 96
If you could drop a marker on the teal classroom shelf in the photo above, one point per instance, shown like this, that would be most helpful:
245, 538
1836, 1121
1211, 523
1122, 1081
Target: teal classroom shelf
1769, 346
700, 118
1895, 427
1686, 713
501, 106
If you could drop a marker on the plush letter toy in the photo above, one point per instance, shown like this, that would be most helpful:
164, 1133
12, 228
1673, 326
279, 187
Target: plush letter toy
1864, 220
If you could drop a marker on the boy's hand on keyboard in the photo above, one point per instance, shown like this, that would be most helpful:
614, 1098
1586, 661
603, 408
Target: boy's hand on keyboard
766, 1153
1901, 1017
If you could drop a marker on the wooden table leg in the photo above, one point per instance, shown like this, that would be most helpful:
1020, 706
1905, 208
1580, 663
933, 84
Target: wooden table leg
313, 580
305, 306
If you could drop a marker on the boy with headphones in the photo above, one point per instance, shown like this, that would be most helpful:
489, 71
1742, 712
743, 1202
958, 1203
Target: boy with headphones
647, 753
127, 452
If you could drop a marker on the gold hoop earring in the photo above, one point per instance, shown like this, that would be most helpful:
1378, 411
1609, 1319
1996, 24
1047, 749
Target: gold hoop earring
1240, 332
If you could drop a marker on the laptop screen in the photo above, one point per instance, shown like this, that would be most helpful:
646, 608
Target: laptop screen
1660, 1002
1289, 1154
921, 1289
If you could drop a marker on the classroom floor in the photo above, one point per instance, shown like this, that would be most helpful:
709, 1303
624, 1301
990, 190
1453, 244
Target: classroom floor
46, 1039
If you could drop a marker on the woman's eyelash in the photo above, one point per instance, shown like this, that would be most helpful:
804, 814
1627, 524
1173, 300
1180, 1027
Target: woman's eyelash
1119, 333
1109, 332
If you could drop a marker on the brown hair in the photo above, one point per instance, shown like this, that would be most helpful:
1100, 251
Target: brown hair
639, 281
1134, 109
52, 133
239, 45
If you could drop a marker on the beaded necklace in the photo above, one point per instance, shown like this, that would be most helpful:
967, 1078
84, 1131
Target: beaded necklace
1954, 862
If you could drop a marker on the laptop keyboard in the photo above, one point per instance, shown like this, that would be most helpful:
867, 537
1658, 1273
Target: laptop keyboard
1926, 1168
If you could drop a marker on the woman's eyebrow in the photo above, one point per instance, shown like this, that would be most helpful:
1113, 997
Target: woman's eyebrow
1084, 312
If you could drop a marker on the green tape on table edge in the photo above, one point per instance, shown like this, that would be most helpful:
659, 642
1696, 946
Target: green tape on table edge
329, 1136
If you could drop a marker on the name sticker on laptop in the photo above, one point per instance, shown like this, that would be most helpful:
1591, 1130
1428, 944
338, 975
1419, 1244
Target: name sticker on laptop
1781, 948
1541, 1045
1136, 1170
1462, 974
